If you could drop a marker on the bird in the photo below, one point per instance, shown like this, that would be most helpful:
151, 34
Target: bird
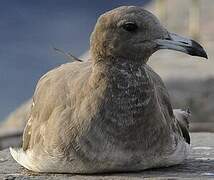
111, 113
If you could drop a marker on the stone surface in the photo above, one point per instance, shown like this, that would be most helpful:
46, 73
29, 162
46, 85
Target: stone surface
199, 165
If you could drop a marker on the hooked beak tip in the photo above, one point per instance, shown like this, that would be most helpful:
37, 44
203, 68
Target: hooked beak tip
182, 44
197, 50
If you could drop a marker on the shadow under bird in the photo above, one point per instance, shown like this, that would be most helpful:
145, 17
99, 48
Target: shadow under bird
113, 112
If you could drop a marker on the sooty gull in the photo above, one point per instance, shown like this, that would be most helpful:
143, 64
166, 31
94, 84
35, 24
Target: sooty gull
113, 112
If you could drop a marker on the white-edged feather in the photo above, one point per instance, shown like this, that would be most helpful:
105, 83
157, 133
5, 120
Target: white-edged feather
22, 158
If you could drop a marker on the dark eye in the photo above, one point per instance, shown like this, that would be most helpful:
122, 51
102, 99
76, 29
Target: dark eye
130, 26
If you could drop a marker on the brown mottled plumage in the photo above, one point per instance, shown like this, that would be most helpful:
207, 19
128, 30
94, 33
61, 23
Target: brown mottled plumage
112, 113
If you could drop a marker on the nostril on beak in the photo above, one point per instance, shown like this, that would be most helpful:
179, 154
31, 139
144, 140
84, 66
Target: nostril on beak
168, 38
183, 42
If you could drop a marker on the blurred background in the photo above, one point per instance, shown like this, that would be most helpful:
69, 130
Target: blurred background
29, 30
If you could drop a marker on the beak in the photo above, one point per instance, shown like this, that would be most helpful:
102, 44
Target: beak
179, 43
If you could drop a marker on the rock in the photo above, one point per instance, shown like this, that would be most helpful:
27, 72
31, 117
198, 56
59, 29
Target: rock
199, 165
12, 127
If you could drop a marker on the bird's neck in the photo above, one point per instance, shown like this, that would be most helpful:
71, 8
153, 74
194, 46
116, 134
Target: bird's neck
118, 61
120, 69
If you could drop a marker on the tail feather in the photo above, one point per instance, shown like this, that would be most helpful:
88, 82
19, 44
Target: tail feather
38, 163
183, 122
21, 157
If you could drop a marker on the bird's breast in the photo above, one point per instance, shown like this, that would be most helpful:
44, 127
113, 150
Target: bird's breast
124, 121
129, 95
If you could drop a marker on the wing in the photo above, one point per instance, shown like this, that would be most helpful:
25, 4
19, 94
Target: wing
53, 103
179, 123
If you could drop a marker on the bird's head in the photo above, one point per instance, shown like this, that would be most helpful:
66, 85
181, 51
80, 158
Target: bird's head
132, 33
